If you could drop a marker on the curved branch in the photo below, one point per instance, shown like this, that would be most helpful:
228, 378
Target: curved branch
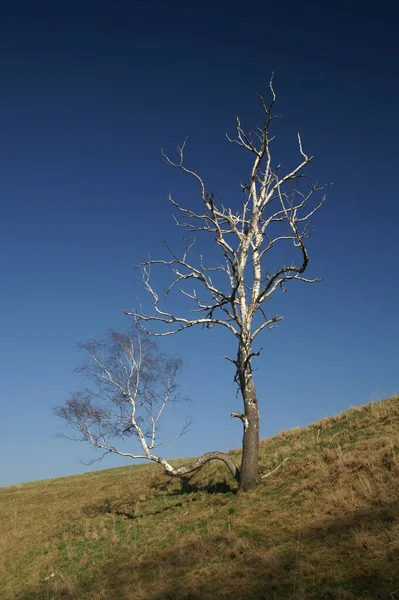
202, 460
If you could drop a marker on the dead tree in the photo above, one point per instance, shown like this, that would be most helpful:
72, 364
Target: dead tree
233, 293
133, 381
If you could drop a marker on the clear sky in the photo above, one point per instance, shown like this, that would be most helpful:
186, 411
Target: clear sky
90, 92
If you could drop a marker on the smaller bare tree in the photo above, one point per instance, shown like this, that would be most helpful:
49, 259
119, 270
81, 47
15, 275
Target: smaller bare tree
133, 381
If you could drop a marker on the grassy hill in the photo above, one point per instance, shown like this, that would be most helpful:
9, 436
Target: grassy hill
324, 526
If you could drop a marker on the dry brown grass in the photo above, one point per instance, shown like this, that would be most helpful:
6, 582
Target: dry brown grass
326, 526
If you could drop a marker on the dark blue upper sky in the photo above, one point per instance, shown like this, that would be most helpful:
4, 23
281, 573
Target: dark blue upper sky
89, 93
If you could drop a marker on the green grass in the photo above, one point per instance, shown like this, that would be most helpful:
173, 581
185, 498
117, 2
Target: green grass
325, 526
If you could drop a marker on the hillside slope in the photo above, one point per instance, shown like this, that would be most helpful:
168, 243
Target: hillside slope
324, 526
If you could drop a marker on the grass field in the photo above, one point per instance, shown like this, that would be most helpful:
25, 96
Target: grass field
324, 526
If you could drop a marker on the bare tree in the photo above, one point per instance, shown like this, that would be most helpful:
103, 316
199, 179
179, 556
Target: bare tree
133, 383
232, 293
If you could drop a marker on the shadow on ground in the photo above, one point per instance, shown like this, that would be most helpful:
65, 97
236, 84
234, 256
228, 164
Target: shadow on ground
188, 486
333, 560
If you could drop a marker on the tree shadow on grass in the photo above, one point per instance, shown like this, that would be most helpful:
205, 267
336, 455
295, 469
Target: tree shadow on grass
188, 485
129, 510
133, 509
318, 562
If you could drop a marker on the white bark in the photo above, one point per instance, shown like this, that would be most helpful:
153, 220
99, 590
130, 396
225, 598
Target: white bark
244, 241
233, 292
129, 375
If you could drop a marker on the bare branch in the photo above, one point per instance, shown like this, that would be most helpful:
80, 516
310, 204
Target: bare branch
275, 469
133, 383
243, 418
273, 222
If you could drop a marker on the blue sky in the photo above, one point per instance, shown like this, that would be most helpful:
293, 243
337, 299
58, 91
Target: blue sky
89, 95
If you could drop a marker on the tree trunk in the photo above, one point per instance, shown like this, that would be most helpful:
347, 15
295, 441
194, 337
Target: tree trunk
249, 475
